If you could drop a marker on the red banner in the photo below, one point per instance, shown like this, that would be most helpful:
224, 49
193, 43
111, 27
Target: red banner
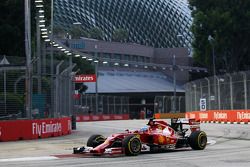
221, 115
102, 117
34, 129
84, 78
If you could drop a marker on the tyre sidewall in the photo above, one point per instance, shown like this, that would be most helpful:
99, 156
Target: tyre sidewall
127, 145
95, 140
197, 140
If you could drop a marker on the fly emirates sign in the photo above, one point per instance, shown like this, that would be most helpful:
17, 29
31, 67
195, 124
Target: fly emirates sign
84, 78
44, 128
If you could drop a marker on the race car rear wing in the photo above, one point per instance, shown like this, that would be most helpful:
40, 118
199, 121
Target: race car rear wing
177, 124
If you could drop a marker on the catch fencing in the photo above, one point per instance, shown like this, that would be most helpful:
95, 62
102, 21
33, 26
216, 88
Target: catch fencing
224, 92
164, 104
51, 94
86, 104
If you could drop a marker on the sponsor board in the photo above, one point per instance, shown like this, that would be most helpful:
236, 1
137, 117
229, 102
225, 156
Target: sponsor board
86, 118
69, 124
95, 117
12, 130
203, 115
44, 128
118, 117
84, 78
102, 117
221, 115
106, 117
78, 118
243, 115
192, 116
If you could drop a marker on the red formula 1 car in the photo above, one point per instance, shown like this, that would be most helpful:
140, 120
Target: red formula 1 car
157, 135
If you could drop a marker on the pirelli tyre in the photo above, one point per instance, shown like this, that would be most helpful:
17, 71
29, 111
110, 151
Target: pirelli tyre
95, 140
198, 140
131, 145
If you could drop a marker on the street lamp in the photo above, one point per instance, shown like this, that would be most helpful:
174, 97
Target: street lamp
96, 83
174, 82
211, 41
28, 57
174, 78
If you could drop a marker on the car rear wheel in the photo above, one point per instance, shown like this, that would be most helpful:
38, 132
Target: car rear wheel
95, 140
198, 140
132, 145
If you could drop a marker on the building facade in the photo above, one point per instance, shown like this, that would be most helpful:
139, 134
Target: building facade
158, 23
133, 57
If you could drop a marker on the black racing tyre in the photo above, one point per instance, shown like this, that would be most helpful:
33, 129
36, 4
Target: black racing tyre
95, 140
198, 140
131, 145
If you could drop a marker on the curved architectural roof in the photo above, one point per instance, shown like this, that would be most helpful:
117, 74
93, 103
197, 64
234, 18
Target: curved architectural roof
132, 82
153, 22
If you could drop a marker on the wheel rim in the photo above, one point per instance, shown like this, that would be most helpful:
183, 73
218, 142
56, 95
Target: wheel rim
135, 145
203, 140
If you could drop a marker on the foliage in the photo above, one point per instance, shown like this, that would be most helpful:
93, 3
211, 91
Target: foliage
77, 32
14, 102
120, 35
12, 28
228, 22
96, 33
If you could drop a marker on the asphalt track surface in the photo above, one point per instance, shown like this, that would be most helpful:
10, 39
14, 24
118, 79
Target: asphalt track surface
229, 146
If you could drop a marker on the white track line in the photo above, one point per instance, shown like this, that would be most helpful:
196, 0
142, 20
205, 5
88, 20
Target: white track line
211, 142
29, 159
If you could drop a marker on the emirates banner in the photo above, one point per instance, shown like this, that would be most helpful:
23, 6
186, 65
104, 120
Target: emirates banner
84, 78
102, 117
33, 129
221, 115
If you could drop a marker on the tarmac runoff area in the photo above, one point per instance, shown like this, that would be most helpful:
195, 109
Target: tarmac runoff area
228, 145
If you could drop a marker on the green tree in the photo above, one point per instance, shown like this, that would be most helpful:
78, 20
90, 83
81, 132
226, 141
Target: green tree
12, 28
120, 35
77, 32
228, 22
96, 33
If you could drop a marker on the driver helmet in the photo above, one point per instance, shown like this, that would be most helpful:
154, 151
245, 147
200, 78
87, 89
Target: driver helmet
151, 122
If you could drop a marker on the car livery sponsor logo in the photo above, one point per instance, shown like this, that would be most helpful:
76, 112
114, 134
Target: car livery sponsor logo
219, 115
44, 128
243, 115
161, 139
